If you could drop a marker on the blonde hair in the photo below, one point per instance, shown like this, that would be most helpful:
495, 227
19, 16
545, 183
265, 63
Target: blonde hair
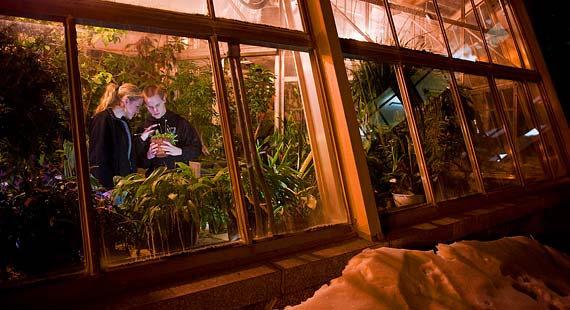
152, 90
113, 95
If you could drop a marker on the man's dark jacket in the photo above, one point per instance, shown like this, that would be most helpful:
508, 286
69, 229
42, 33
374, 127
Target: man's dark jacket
187, 139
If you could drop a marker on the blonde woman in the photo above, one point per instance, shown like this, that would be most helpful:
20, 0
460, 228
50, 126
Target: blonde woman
111, 145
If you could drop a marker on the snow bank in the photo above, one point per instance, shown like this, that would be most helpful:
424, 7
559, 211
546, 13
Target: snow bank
509, 273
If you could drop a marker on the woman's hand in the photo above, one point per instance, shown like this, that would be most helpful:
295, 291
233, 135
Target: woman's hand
148, 131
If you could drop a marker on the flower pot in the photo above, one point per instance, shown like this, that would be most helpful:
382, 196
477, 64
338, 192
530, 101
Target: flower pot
401, 200
160, 153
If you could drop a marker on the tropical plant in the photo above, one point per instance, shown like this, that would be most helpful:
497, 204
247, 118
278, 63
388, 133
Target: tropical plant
390, 155
163, 207
33, 95
260, 89
287, 164
39, 220
216, 203
192, 95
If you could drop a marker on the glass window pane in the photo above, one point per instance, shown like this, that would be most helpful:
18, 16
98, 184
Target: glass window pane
487, 132
498, 34
390, 154
518, 35
279, 173
40, 231
362, 20
546, 130
462, 31
278, 13
156, 205
523, 132
183, 6
417, 26
440, 133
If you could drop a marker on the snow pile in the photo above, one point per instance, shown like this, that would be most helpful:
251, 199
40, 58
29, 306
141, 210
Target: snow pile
509, 273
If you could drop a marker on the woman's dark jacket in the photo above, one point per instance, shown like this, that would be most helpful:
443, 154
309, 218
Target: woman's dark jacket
111, 151
187, 139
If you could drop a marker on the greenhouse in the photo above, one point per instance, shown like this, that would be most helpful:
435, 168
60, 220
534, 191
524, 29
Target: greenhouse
318, 122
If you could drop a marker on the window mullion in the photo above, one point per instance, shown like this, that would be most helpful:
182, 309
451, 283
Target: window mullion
442, 27
457, 99
499, 104
391, 22
90, 244
555, 124
229, 146
481, 31
254, 169
536, 124
414, 135
512, 28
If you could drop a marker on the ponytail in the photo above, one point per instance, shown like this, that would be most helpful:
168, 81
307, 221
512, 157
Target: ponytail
108, 97
113, 95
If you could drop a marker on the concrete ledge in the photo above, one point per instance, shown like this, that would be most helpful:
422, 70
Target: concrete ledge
275, 283
476, 221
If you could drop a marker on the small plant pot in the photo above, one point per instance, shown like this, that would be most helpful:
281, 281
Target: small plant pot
401, 200
160, 153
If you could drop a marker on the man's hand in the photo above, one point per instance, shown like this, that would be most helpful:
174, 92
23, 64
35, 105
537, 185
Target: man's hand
170, 149
152, 149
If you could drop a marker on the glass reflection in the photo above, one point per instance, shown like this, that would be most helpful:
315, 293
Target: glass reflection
363, 21
462, 30
524, 133
40, 230
493, 152
151, 214
183, 6
273, 143
383, 126
517, 34
278, 13
498, 34
547, 131
440, 132
417, 26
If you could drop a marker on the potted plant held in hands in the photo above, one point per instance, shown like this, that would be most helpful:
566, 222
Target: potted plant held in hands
159, 138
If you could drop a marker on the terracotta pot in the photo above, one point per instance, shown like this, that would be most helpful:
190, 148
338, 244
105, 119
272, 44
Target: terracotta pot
160, 153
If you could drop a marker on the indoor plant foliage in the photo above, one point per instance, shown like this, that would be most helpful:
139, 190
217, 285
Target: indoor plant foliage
287, 163
164, 211
38, 200
162, 207
390, 154
34, 91
39, 217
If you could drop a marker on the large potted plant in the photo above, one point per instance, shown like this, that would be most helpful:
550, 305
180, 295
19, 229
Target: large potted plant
162, 206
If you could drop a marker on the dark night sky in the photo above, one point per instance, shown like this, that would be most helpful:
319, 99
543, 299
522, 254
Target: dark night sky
553, 33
